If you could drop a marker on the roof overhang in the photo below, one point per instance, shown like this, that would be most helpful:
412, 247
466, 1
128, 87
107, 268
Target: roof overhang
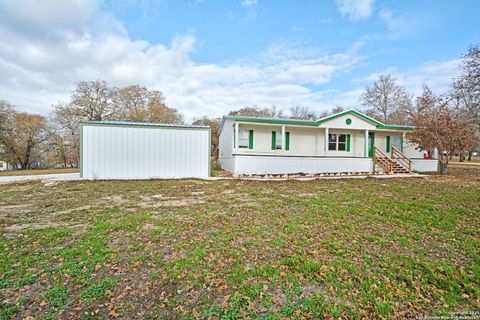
376, 123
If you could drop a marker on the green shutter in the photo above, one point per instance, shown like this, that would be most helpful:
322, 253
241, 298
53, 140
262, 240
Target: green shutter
250, 139
274, 139
348, 143
388, 143
401, 143
287, 140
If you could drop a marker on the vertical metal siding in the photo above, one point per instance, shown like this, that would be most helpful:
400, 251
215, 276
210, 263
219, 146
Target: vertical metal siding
121, 152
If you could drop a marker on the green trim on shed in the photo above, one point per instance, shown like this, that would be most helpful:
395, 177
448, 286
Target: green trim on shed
209, 153
142, 125
81, 150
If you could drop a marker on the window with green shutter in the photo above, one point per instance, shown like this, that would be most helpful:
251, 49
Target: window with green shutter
287, 140
337, 142
388, 143
274, 139
348, 143
244, 139
250, 139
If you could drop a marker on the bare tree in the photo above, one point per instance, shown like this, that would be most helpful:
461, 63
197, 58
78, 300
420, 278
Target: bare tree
64, 135
214, 124
93, 100
131, 102
386, 100
7, 112
305, 113
437, 126
466, 90
334, 110
272, 112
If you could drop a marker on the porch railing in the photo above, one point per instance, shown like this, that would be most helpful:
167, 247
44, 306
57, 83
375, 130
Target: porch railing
381, 159
400, 158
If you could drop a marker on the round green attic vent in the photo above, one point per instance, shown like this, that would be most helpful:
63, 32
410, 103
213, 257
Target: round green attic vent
348, 121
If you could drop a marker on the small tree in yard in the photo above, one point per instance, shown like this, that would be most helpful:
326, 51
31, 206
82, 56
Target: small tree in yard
438, 127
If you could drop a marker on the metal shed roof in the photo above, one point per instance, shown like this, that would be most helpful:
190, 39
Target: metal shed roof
143, 124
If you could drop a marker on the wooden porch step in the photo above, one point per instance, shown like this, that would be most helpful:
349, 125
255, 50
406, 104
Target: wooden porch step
391, 164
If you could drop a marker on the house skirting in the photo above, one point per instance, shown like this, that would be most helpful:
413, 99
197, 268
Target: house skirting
424, 165
263, 164
253, 164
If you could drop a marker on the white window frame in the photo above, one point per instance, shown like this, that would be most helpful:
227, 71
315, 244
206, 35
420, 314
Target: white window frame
278, 140
337, 141
243, 136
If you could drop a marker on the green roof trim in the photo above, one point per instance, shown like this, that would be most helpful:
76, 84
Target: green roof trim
395, 127
318, 122
272, 120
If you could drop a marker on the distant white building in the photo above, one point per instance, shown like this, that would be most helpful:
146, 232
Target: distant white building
348, 141
3, 165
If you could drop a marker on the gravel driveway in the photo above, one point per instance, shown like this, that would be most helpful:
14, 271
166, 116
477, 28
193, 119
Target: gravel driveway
47, 177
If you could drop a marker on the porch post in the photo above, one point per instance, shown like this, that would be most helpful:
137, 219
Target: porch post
366, 143
236, 136
283, 137
325, 147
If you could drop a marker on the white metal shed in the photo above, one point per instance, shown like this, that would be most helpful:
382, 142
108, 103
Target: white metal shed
134, 150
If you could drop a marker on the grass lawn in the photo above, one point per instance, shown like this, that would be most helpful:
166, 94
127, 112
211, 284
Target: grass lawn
371, 248
37, 171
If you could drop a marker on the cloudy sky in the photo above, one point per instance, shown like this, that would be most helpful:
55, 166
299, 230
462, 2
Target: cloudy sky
212, 56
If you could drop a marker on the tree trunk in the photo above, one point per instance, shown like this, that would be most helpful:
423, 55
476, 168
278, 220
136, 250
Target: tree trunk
443, 163
470, 155
462, 156
443, 166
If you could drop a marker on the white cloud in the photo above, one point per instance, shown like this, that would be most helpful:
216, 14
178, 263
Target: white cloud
248, 3
44, 52
40, 64
438, 75
355, 10
401, 25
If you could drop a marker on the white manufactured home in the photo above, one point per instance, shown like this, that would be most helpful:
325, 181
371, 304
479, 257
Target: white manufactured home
345, 142
132, 150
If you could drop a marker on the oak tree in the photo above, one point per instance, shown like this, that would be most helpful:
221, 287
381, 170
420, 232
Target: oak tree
138, 104
437, 126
